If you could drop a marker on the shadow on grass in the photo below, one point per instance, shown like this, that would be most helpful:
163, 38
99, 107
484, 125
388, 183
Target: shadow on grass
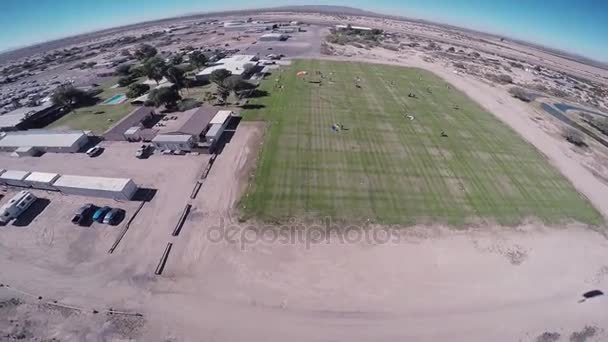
253, 106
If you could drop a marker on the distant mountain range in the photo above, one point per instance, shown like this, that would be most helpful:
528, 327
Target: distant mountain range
324, 9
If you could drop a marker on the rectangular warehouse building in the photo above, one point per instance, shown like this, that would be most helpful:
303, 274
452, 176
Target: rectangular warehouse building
116, 188
41, 180
43, 140
14, 178
173, 142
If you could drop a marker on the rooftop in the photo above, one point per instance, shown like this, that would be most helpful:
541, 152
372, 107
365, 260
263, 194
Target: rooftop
41, 177
87, 182
359, 28
14, 118
235, 64
14, 174
172, 138
41, 138
221, 117
197, 122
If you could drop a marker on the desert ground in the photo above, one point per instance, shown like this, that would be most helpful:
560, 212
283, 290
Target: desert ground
229, 278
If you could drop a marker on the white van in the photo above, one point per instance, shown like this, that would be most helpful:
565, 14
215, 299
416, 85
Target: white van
16, 206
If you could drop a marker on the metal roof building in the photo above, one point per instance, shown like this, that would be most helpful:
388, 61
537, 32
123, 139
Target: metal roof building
221, 117
197, 122
117, 188
236, 64
43, 140
41, 180
18, 118
14, 177
173, 142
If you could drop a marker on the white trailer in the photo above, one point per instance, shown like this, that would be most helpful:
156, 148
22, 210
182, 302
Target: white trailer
16, 206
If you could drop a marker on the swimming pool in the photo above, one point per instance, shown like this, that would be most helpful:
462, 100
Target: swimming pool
116, 99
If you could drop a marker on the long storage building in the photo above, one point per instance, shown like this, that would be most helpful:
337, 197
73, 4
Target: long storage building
116, 188
41, 180
14, 178
45, 141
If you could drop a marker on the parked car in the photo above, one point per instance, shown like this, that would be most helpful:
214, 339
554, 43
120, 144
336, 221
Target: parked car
143, 151
114, 216
94, 151
101, 213
83, 214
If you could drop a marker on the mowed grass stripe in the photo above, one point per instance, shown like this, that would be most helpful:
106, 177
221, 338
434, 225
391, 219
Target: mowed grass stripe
387, 169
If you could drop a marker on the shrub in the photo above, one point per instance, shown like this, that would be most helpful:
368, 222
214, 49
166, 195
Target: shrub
520, 93
601, 124
558, 92
123, 70
516, 65
501, 79
574, 137
137, 90
505, 79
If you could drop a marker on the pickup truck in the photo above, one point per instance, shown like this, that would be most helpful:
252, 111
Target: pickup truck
83, 214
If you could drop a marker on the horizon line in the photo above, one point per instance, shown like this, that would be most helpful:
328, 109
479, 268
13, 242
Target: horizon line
603, 60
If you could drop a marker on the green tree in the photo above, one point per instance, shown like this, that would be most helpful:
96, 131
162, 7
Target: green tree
177, 59
144, 52
176, 76
123, 70
137, 89
154, 68
223, 93
198, 59
69, 96
167, 96
218, 76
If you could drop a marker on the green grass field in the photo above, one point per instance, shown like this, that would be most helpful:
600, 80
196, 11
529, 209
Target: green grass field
97, 118
389, 169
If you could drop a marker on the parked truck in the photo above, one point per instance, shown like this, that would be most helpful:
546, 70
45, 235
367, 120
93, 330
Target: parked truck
16, 206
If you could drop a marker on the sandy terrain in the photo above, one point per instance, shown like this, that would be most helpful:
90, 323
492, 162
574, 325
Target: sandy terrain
426, 284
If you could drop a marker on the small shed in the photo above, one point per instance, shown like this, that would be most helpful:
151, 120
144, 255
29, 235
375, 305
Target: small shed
14, 178
41, 180
27, 151
174, 142
132, 134
116, 188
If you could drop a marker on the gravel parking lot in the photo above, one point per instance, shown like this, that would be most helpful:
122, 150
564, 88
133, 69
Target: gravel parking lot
46, 237
299, 45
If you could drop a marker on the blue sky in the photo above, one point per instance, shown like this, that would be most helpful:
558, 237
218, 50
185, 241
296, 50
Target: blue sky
576, 26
